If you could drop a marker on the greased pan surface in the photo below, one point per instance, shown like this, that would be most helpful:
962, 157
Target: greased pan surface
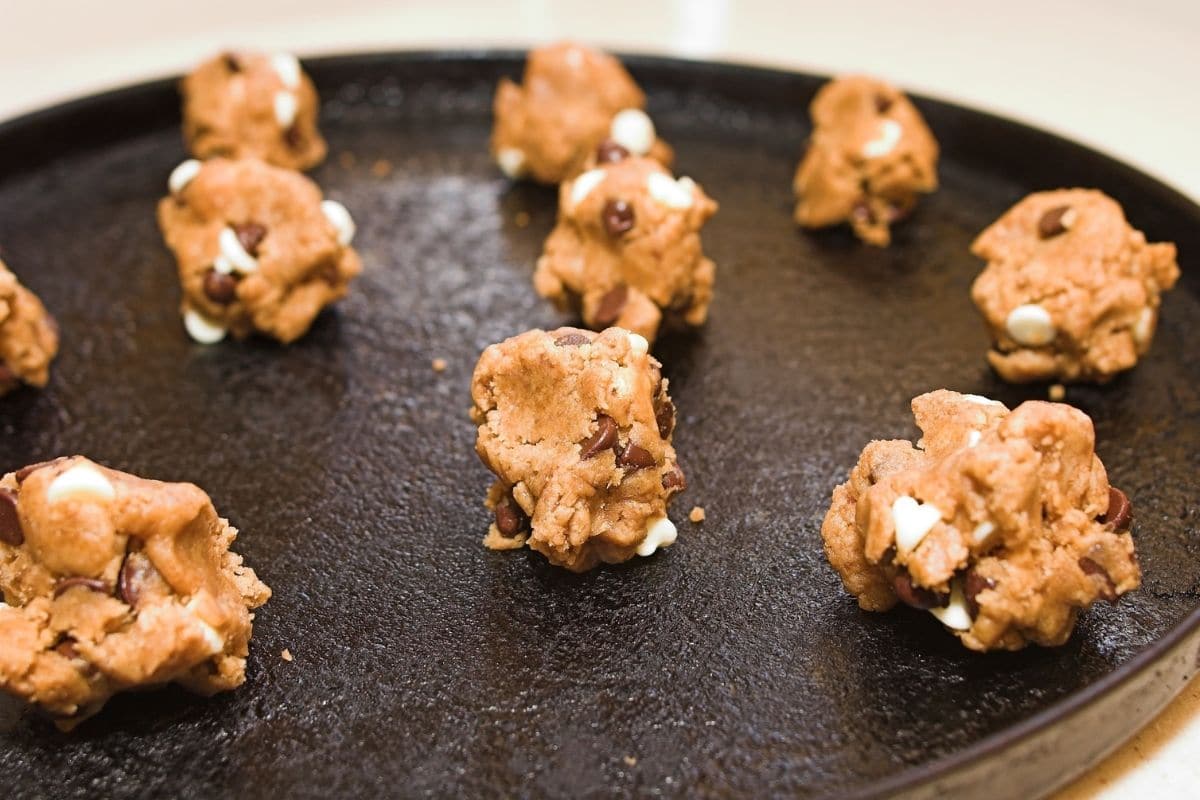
732, 663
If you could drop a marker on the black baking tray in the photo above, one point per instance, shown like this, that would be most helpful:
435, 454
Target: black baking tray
732, 664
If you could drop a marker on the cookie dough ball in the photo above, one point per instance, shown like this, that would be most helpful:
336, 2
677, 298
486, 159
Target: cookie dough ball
253, 105
572, 99
626, 249
1002, 525
258, 249
112, 583
28, 336
869, 158
577, 428
1071, 292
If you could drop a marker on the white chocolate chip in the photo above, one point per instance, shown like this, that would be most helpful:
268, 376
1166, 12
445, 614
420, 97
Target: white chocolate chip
632, 129
340, 219
660, 532
201, 328
913, 521
80, 480
885, 142
287, 67
511, 161
1143, 329
1030, 325
638, 343
982, 531
182, 175
222, 265
285, 109
584, 185
214, 640
955, 614
979, 399
973, 438
232, 250
671, 193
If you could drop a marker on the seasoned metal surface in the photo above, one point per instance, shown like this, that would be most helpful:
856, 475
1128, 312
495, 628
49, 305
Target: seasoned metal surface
733, 663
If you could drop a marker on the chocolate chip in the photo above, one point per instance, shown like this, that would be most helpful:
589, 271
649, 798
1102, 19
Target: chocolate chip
882, 103
292, 138
220, 288
1057, 220
25, 472
1119, 515
634, 457
603, 439
674, 479
510, 519
78, 580
609, 152
917, 596
664, 415
618, 217
232, 62
973, 584
609, 309
1090, 567
10, 521
250, 235
572, 340
137, 571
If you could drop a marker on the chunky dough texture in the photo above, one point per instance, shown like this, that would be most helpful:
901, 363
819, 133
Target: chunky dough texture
869, 158
1002, 524
111, 583
258, 249
253, 105
627, 248
577, 427
28, 335
1071, 291
570, 101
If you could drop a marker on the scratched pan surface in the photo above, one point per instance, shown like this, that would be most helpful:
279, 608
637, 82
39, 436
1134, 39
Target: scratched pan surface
731, 664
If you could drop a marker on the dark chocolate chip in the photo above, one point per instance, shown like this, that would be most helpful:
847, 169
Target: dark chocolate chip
1057, 220
603, 439
135, 573
232, 62
917, 596
634, 457
664, 415
572, 340
609, 309
10, 521
973, 584
674, 479
618, 217
25, 472
883, 104
78, 580
1119, 515
250, 235
220, 288
889, 557
292, 138
609, 152
510, 519
1090, 567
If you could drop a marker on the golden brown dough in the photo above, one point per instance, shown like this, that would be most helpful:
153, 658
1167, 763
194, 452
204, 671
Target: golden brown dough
28, 335
1002, 524
111, 583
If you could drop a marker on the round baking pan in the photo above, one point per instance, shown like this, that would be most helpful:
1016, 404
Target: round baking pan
732, 664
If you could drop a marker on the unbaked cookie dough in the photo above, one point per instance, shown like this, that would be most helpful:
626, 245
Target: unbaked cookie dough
1071, 291
577, 428
258, 249
572, 99
869, 158
626, 249
1003, 525
111, 583
28, 336
252, 105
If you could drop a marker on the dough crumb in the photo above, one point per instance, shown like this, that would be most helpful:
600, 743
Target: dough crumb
286, 655
381, 168
697, 514
521, 220
439, 365
1057, 392
347, 160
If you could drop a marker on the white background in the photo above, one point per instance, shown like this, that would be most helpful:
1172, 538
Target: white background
1117, 74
